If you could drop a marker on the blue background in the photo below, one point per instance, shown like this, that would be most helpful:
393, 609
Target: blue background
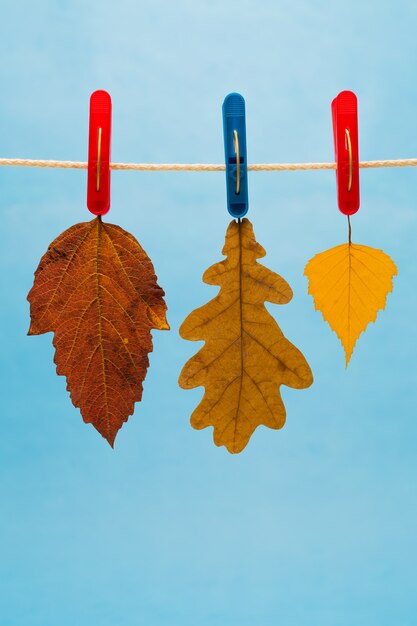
311, 525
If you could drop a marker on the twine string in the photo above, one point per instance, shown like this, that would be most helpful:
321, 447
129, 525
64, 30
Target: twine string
203, 167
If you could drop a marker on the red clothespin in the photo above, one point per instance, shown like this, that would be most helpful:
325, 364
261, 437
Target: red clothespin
346, 149
98, 173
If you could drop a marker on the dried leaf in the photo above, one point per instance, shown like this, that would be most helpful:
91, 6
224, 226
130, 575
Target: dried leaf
349, 285
96, 289
246, 357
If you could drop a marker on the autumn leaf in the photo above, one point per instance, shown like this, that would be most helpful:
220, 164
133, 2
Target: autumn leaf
96, 289
349, 285
246, 357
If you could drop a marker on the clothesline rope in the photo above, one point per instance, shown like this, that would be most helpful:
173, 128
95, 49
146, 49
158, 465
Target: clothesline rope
203, 167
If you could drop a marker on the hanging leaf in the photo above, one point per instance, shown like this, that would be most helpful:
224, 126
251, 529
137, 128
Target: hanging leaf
246, 357
96, 289
349, 285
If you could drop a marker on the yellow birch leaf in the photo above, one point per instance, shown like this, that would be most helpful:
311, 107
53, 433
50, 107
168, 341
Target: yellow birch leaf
349, 285
246, 357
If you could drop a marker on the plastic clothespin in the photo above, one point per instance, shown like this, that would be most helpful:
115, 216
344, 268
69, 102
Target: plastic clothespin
234, 132
98, 172
346, 149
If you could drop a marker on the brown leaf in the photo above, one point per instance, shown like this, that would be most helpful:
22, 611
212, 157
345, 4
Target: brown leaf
246, 358
96, 289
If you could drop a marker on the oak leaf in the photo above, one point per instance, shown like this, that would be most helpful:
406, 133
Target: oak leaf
349, 285
246, 357
96, 289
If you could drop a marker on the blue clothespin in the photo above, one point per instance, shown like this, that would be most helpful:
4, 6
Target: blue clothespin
234, 132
